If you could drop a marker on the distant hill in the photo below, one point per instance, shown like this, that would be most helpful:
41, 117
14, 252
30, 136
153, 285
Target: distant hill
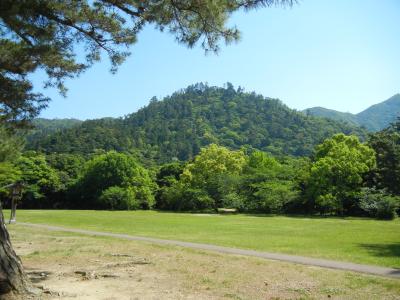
44, 127
374, 118
55, 124
179, 125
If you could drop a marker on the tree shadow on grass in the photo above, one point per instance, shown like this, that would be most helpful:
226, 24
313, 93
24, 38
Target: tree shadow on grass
385, 250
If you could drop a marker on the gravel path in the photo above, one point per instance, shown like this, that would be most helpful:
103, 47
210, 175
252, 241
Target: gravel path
374, 270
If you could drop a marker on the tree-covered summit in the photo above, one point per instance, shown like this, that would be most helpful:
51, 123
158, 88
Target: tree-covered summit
374, 118
179, 125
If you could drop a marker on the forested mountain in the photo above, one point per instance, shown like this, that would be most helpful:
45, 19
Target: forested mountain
44, 127
179, 125
374, 118
50, 125
332, 114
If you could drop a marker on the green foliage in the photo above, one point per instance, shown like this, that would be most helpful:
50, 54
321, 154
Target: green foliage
68, 166
272, 197
113, 170
203, 183
169, 173
378, 204
119, 198
327, 204
387, 147
268, 185
41, 181
10, 145
214, 170
233, 199
183, 197
213, 162
46, 35
9, 174
180, 125
337, 171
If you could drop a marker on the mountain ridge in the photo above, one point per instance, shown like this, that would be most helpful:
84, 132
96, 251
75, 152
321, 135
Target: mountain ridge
179, 125
374, 118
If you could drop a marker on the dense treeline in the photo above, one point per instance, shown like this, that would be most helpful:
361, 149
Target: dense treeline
342, 176
180, 125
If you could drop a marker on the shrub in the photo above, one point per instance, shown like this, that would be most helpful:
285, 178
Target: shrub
181, 197
271, 197
378, 204
119, 198
233, 200
387, 208
327, 204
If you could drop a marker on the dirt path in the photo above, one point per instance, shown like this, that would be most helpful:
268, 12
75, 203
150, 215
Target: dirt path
374, 270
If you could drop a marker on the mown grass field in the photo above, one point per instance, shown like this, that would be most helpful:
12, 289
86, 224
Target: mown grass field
346, 239
172, 272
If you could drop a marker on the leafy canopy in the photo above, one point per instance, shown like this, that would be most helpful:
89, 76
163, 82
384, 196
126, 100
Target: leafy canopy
386, 144
114, 170
338, 169
213, 162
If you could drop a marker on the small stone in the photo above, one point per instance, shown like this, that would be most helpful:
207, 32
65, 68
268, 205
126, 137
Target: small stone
83, 273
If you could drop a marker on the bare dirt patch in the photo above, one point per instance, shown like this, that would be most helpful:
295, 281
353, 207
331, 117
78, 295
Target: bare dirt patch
71, 266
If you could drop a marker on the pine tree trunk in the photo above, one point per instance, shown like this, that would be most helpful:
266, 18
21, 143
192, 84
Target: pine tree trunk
13, 280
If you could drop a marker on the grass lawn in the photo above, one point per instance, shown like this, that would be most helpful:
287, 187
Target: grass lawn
172, 272
347, 239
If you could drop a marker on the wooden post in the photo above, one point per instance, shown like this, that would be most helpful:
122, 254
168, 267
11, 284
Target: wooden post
15, 197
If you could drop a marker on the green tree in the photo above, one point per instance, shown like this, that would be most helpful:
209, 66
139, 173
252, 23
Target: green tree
10, 145
337, 173
167, 176
68, 166
41, 180
268, 185
10, 150
116, 197
386, 144
113, 170
214, 170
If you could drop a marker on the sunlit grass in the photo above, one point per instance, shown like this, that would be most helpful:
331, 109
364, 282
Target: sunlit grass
347, 239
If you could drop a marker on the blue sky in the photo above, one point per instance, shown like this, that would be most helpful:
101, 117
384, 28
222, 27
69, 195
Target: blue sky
342, 54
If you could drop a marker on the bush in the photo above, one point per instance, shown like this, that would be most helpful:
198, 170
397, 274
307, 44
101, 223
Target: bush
119, 198
233, 200
327, 204
387, 208
271, 197
180, 197
378, 204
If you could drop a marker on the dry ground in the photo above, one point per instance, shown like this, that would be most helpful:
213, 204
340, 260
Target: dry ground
71, 266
